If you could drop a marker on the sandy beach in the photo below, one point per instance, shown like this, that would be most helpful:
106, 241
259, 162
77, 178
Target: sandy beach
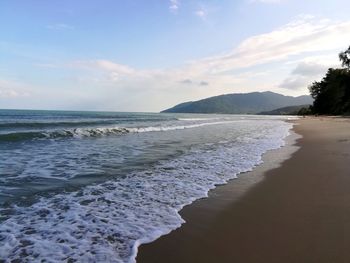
293, 208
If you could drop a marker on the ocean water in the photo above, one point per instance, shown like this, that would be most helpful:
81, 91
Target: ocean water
93, 186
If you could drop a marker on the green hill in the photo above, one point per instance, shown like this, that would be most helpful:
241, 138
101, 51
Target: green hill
240, 103
290, 110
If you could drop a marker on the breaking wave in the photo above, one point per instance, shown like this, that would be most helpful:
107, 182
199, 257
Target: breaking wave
107, 222
95, 132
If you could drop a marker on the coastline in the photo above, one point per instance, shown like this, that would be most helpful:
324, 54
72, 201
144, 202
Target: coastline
295, 212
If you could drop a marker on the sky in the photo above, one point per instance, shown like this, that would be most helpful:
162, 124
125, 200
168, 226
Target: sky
149, 55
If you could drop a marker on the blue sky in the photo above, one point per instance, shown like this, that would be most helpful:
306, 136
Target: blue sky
149, 55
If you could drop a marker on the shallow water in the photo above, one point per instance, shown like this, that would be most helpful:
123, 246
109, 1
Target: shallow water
92, 186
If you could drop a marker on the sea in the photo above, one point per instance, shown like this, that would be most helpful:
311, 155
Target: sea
92, 186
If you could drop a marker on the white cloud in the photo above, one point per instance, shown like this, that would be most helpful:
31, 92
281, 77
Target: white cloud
203, 83
110, 71
310, 42
309, 69
8, 93
174, 5
295, 83
45, 65
186, 81
117, 68
190, 82
298, 37
11, 89
329, 59
60, 26
201, 13
267, 1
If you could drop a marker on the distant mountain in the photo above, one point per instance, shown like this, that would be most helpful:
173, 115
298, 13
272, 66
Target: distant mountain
241, 103
290, 110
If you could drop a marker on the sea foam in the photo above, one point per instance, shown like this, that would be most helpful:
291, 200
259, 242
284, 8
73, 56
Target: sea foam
107, 222
97, 131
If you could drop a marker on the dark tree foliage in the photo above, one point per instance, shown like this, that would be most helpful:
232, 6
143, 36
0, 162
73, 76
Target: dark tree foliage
345, 58
305, 111
332, 94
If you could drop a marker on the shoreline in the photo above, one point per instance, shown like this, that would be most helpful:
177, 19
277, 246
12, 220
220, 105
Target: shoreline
265, 217
270, 159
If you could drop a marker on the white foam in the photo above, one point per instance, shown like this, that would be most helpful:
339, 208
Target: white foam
176, 127
107, 222
198, 119
116, 130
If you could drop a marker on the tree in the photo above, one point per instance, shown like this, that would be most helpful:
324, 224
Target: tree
305, 111
345, 58
332, 94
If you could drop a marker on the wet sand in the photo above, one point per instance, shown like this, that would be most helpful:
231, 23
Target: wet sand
297, 212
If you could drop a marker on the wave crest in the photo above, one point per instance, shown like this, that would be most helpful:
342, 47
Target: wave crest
95, 132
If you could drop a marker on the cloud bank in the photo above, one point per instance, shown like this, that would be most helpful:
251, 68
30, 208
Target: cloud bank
285, 60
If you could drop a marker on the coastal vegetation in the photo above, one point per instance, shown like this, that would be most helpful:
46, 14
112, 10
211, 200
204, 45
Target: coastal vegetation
289, 110
332, 94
